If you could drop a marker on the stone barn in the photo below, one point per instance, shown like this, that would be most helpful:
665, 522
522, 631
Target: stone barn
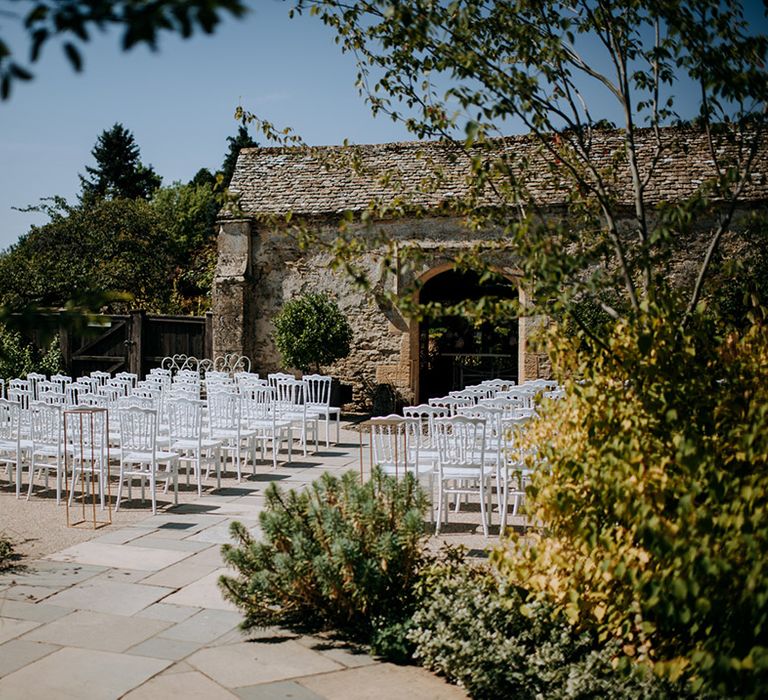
261, 264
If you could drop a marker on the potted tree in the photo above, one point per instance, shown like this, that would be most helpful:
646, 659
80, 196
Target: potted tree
311, 331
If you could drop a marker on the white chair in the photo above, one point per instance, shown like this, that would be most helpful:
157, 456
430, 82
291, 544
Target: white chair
259, 416
101, 377
289, 404
514, 472
32, 380
495, 444
395, 443
47, 450
453, 403
139, 454
462, 468
185, 428
317, 396
225, 426
12, 447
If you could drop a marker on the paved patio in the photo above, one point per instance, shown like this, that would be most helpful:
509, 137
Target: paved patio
135, 612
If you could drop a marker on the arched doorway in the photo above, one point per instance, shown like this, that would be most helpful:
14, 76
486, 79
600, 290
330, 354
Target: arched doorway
453, 352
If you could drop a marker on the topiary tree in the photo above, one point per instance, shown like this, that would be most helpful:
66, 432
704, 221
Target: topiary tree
310, 331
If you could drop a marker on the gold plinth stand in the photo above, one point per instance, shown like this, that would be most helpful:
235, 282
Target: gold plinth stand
86, 457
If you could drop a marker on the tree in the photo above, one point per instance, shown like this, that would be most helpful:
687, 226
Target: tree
119, 173
652, 505
537, 65
311, 331
73, 21
112, 246
242, 140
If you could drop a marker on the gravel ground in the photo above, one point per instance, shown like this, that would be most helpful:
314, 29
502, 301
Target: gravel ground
38, 527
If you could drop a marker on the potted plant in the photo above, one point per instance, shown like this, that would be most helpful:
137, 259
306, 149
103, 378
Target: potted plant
311, 331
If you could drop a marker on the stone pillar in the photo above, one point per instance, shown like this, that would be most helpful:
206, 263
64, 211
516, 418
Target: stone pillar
231, 287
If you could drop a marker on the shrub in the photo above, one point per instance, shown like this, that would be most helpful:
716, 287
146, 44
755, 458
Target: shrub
311, 331
655, 516
17, 358
340, 555
480, 634
7, 553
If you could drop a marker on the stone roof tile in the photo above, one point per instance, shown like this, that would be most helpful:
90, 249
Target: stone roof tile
322, 180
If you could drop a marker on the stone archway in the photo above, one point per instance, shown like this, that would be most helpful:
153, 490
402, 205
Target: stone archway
451, 352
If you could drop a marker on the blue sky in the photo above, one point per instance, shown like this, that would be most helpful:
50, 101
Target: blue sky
179, 102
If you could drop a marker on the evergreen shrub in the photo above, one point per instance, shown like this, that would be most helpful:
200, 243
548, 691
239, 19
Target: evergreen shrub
310, 331
340, 555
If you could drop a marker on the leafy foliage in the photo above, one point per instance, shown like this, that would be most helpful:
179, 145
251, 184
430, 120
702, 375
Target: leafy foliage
311, 331
340, 555
74, 21
18, 358
482, 635
654, 516
481, 69
113, 245
118, 173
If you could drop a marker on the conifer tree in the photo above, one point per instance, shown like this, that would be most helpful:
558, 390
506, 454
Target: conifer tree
242, 140
119, 172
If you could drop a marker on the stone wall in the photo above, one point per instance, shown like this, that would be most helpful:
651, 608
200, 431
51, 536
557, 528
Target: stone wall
247, 295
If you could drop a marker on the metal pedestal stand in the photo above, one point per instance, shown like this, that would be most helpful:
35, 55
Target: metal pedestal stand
86, 457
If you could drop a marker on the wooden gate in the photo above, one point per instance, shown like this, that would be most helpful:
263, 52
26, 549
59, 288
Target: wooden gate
134, 342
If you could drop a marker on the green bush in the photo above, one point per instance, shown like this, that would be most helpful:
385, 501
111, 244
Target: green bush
340, 555
17, 358
655, 515
480, 634
311, 331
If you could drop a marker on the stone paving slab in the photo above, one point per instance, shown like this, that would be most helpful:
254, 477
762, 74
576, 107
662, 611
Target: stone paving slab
80, 674
120, 576
119, 556
37, 612
174, 544
51, 574
94, 630
163, 648
282, 690
190, 685
205, 626
19, 652
169, 613
203, 593
382, 681
249, 663
27, 594
219, 534
110, 597
11, 628
181, 574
